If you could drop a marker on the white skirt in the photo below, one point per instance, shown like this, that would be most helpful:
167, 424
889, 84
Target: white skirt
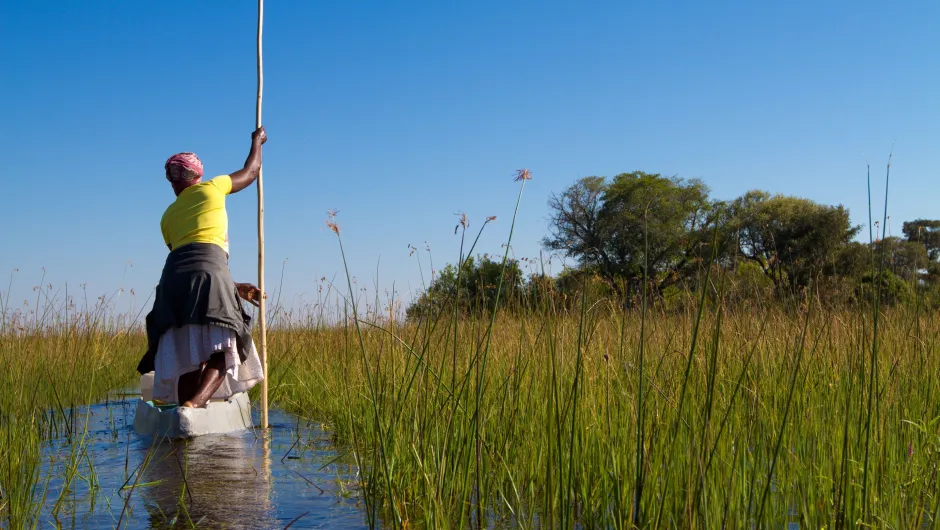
182, 350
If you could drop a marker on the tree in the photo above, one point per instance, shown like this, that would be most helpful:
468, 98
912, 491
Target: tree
890, 289
906, 259
605, 226
790, 238
903, 258
473, 289
575, 224
926, 232
852, 261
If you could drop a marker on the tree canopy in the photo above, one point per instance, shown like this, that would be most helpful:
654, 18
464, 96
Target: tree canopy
665, 230
636, 225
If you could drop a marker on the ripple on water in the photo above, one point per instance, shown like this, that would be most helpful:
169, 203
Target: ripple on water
243, 480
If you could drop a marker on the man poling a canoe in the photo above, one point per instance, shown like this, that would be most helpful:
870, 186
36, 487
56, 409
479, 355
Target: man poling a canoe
199, 342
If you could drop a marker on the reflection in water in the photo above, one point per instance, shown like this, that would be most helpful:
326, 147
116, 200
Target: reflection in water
217, 479
243, 480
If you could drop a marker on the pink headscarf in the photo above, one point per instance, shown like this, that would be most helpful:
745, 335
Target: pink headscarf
183, 167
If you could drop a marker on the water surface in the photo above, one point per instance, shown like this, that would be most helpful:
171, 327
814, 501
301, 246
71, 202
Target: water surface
290, 474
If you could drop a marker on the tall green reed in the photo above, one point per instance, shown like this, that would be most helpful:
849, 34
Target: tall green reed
56, 356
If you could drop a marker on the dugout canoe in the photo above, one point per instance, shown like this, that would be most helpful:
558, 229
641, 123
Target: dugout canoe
172, 421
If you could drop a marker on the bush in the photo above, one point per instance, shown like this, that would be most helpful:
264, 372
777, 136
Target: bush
894, 290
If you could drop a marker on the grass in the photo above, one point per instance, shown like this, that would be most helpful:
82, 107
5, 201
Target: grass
774, 405
54, 358
753, 416
764, 390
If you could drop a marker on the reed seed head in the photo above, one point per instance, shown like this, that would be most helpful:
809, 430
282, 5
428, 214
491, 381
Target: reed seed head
331, 221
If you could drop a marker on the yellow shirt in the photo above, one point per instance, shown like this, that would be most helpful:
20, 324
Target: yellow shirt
198, 215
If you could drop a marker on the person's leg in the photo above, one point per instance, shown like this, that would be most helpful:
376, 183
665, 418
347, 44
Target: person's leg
213, 375
187, 386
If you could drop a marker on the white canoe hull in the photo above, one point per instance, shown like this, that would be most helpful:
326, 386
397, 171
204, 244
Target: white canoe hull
218, 417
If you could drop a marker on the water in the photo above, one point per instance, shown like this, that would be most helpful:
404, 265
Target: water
241, 480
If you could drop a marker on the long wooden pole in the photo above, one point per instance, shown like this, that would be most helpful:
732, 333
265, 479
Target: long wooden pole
261, 313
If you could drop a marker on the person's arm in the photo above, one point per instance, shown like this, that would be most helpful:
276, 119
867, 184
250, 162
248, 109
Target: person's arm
243, 178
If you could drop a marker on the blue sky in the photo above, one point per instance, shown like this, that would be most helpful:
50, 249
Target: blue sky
400, 114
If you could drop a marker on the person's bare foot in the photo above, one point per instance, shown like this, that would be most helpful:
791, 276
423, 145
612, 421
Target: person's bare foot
188, 405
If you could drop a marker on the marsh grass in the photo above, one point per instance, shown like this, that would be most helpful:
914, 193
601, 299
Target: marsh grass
771, 421
55, 357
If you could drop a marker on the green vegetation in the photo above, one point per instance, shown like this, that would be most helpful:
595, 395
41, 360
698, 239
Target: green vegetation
54, 357
765, 420
794, 242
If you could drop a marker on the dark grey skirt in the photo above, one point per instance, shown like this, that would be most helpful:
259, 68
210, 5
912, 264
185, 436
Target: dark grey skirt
196, 287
